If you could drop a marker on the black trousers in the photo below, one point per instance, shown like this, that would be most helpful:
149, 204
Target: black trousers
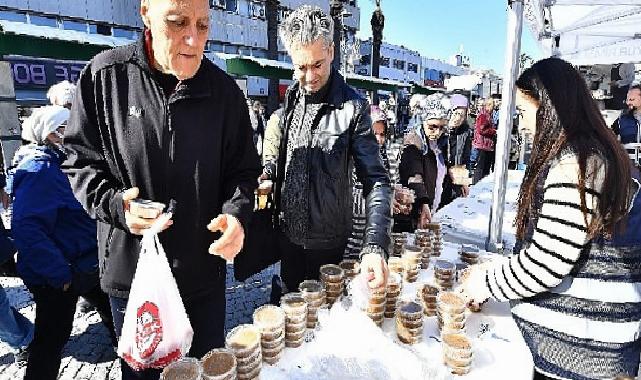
206, 314
484, 164
299, 264
55, 310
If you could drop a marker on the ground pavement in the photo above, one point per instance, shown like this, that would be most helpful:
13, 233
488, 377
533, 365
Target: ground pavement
88, 353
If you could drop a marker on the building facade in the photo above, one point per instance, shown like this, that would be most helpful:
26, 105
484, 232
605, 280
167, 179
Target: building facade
408, 66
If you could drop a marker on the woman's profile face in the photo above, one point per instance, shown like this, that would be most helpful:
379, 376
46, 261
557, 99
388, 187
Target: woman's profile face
526, 107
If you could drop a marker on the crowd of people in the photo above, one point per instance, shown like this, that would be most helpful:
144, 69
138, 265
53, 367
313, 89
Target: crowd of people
156, 120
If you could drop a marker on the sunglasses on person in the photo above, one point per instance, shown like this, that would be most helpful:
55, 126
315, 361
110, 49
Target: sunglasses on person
434, 127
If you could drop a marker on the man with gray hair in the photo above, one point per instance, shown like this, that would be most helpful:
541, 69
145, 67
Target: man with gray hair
326, 130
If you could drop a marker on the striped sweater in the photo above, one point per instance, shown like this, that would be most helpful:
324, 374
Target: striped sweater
576, 301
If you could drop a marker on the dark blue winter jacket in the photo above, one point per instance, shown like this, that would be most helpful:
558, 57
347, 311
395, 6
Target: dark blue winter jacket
627, 127
54, 235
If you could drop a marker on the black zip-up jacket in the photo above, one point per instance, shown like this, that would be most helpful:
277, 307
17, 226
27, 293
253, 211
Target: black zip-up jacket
194, 146
344, 131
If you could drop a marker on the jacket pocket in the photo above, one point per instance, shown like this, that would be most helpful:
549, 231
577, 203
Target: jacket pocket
332, 155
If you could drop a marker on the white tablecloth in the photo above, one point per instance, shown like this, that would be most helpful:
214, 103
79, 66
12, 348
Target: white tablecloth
349, 351
467, 220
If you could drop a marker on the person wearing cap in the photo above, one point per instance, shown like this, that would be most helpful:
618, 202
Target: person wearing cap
424, 166
55, 238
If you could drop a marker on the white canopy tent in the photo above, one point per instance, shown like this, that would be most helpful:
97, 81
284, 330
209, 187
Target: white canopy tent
583, 32
587, 32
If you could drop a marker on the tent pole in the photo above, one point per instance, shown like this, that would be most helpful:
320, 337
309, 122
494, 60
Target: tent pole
502, 148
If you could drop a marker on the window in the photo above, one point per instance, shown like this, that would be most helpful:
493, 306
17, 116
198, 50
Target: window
217, 4
398, 64
74, 25
366, 59
13, 16
43, 21
412, 67
215, 47
385, 61
259, 53
230, 49
231, 6
125, 33
103, 29
256, 10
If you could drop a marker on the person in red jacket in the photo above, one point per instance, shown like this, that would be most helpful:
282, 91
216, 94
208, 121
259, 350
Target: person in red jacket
484, 139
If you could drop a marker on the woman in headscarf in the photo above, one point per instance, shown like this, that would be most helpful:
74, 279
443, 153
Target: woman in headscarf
424, 166
55, 238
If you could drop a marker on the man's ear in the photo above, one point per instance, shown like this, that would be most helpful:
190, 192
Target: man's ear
144, 12
331, 52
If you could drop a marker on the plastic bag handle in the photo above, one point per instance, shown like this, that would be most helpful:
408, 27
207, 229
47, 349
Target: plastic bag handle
156, 227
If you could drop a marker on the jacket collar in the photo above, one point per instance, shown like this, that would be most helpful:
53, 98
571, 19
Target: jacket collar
196, 87
335, 93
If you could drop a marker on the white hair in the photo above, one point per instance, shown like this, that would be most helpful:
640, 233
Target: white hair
62, 94
306, 25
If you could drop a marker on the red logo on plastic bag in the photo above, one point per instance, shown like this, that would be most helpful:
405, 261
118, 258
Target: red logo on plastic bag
148, 329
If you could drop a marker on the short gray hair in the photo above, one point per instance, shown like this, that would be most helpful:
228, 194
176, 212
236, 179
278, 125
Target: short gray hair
306, 25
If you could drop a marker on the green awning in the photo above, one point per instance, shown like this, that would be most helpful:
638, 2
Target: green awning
244, 66
423, 90
371, 85
31, 46
265, 68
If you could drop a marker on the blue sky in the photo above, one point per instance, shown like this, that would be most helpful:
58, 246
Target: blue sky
436, 28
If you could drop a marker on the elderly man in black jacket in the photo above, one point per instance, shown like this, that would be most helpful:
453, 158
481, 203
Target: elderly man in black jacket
157, 120
326, 131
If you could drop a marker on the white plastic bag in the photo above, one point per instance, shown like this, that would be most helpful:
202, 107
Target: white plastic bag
156, 330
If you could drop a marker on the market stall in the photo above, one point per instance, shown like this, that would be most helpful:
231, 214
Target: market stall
352, 341
465, 220
348, 345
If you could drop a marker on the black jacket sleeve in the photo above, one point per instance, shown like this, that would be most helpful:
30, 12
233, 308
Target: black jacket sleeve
93, 184
616, 128
375, 179
412, 164
241, 167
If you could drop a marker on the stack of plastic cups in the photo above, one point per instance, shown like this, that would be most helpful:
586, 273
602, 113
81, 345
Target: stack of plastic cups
424, 240
219, 364
332, 278
350, 269
244, 342
412, 257
437, 242
270, 321
409, 322
427, 295
457, 353
395, 265
394, 287
377, 304
444, 274
314, 295
295, 308
183, 369
451, 313
469, 254
399, 239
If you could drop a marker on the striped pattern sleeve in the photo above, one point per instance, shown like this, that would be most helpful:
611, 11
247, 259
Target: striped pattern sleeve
558, 239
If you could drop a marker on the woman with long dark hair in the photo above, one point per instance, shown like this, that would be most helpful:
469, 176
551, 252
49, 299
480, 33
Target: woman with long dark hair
574, 281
